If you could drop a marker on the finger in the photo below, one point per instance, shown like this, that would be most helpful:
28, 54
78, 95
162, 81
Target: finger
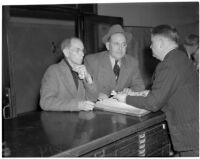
89, 107
80, 67
115, 97
90, 103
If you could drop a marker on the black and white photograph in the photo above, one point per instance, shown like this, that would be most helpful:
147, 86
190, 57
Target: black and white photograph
100, 79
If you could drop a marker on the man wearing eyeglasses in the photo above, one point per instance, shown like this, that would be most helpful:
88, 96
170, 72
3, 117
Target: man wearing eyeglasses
114, 70
67, 86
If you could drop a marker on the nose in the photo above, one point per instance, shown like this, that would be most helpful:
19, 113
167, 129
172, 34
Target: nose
121, 46
81, 53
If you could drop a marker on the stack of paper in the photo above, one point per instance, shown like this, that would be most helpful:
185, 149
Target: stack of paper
113, 105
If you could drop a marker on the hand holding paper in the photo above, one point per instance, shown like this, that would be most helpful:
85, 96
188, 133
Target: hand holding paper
142, 93
121, 97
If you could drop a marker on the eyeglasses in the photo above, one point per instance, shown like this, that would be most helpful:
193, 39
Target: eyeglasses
116, 44
77, 50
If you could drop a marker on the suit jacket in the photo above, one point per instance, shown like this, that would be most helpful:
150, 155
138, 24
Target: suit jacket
175, 91
99, 66
58, 90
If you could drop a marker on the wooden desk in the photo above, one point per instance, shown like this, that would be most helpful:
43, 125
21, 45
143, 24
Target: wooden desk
94, 133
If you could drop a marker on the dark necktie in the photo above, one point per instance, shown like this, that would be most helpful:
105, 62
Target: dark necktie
116, 69
74, 74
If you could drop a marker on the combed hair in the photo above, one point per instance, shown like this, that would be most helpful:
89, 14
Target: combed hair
67, 43
166, 31
192, 40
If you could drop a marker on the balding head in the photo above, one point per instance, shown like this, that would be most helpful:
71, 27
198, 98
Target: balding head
73, 50
66, 43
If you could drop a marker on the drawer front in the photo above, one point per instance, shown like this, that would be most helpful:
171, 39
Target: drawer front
127, 146
129, 150
156, 141
162, 152
106, 151
127, 140
153, 141
156, 138
155, 130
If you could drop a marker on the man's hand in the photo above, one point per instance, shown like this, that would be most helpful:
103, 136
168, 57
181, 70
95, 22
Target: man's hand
86, 105
121, 97
127, 90
83, 73
102, 96
141, 93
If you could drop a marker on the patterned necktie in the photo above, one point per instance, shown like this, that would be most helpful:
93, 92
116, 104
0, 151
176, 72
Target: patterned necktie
116, 69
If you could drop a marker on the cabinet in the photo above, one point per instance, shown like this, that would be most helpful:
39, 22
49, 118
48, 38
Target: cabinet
87, 134
153, 141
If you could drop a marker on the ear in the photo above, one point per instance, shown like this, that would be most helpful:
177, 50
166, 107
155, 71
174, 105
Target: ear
108, 45
161, 43
66, 52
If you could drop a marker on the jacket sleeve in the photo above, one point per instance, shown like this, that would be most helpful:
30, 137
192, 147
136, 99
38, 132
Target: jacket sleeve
91, 89
50, 98
91, 92
89, 64
163, 87
137, 83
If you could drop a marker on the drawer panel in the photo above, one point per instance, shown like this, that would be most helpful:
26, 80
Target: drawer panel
127, 146
153, 141
108, 150
162, 152
156, 142
127, 140
155, 130
129, 150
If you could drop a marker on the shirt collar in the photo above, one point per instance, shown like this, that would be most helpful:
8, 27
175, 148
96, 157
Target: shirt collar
112, 60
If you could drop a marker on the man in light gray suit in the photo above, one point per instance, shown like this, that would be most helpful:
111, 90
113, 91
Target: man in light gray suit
114, 69
67, 86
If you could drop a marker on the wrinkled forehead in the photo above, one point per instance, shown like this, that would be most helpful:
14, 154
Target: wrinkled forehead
118, 37
76, 43
155, 38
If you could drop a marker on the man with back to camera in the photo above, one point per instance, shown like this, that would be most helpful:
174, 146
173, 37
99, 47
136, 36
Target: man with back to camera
67, 86
114, 69
175, 91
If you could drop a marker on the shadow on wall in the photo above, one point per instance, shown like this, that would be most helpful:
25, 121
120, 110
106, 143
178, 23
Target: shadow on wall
149, 66
139, 48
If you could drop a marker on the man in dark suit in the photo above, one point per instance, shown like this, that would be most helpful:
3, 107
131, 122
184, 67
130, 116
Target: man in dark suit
114, 69
175, 91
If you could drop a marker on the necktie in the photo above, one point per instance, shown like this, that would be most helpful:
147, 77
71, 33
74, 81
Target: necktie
74, 74
116, 69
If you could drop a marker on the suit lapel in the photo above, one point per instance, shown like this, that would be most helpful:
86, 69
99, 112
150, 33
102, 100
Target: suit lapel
123, 73
107, 70
70, 84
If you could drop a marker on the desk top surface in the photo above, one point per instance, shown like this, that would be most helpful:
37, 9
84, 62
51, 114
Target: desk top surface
70, 133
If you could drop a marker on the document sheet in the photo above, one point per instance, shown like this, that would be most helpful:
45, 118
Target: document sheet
113, 105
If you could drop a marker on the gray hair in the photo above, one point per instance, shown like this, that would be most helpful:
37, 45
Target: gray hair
66, 43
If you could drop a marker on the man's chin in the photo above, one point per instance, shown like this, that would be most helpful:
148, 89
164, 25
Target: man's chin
118, 57
79, 62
